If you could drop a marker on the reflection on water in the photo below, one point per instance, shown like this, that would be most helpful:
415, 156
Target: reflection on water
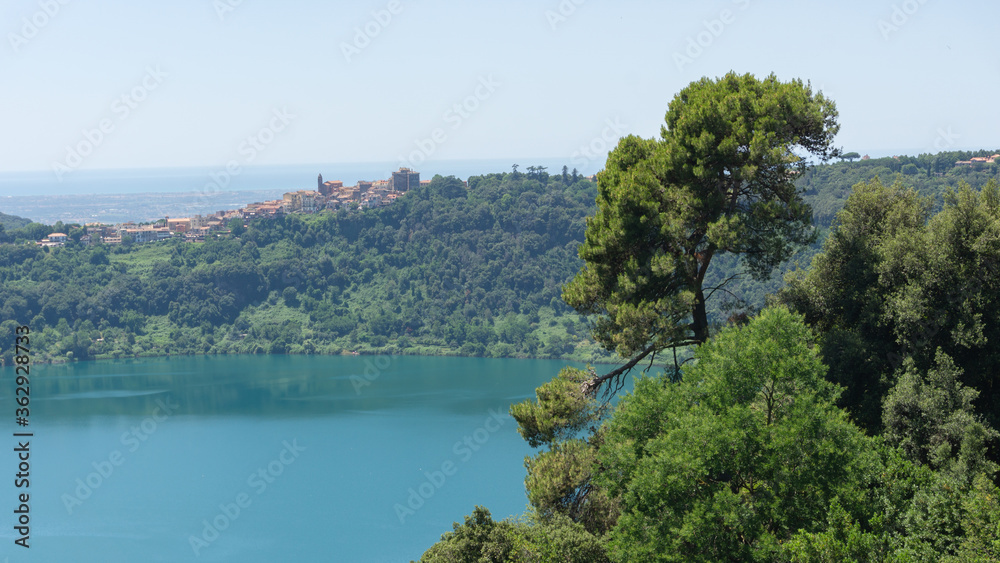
283, 385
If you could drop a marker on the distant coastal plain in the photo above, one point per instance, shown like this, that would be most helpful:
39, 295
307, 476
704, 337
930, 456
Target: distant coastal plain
112, 196
120, 208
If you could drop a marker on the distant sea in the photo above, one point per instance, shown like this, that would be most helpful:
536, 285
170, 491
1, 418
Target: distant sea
43, 197
251, 178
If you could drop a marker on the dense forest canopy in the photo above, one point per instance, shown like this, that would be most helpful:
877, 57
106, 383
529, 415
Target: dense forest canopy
828, 187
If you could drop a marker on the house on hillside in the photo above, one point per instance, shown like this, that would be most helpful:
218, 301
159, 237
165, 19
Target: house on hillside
978, 160
54, 239
272, 208
145, 234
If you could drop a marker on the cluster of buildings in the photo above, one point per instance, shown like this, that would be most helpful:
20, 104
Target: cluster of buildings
335, 195
328, 195
190, 228
978, 160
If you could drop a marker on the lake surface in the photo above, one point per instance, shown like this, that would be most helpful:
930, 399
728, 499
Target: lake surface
264, 458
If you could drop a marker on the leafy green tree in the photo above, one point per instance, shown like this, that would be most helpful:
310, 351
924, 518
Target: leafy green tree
842, 295
559, 412
8, 326
236, 226
99, 257
719, 180
291, 296
748, 449
561, 539
981, 522
892, 284
36, 231
559, 480
513, 329
479, 539
931, 418
946, 291
843, 539
850, 156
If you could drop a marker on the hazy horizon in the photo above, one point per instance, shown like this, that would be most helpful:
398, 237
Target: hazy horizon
269, 177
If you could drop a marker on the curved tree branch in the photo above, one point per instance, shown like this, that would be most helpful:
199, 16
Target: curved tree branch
723, 284
591, 386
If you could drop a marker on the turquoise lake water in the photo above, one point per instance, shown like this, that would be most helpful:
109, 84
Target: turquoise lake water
264, 458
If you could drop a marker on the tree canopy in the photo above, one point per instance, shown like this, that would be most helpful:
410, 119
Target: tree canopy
895, 283
749, 448
721, 179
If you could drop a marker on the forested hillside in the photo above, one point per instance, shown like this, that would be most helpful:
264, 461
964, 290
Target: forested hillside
826, 188
10, 222
445, 269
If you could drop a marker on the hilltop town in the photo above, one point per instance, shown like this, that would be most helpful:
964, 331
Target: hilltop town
334, 195
329, 195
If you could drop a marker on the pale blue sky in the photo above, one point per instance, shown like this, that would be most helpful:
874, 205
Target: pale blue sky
547, 86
